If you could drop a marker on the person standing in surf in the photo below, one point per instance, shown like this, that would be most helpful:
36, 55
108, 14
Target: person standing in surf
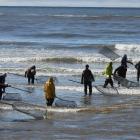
2, 84
30, 74
137, 66
108, 73
49, 90
87, 79
124, 62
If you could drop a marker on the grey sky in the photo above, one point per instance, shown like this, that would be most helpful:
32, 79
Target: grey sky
88, 3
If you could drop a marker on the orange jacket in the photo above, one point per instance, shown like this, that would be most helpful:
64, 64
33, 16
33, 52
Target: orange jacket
49, 89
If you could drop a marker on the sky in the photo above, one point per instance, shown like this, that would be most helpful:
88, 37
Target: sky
72, 3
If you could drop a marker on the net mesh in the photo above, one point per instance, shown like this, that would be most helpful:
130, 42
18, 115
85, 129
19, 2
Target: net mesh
12, 97
109, 53
35, 111
126, 83
107, 90
63, 103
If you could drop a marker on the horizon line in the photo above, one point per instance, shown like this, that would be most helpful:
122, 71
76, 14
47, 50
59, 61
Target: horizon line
68, 6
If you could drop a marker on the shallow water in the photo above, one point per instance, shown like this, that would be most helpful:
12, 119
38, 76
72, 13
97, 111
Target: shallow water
121, 123
116, 118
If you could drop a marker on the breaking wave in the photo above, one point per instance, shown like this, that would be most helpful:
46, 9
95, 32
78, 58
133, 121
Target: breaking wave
128, 47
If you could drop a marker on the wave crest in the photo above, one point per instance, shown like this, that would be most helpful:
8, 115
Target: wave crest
128, 47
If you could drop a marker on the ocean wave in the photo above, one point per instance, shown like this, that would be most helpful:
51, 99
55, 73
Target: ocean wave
107, 16
42, 59
61, 71
128, 47
17, 43
79, 46
89, 16
64, 59
59, 35
56, 59
122, 90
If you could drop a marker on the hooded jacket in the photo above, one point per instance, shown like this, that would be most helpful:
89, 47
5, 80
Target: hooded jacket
108, 70
49, 89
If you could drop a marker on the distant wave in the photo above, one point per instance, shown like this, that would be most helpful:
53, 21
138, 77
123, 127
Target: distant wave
88, 17
17, 43
83, 16
64, 35
53, 45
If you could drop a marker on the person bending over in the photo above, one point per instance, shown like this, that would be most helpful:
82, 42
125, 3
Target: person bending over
30, 74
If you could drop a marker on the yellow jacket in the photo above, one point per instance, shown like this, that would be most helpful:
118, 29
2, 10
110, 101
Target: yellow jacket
49, 89
108, 70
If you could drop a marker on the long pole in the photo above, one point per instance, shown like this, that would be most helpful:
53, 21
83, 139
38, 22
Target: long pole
20, 89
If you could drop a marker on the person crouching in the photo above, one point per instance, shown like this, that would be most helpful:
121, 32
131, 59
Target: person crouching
49, 89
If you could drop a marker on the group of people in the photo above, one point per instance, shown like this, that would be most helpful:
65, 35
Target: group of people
87, 78
30, 74
120, 71
49, 87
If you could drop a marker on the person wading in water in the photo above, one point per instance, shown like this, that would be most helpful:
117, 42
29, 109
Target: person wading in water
30, 74
108, 73
2, 84
87, 79
49, 90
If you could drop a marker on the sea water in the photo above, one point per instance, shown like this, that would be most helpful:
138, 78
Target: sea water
60, 42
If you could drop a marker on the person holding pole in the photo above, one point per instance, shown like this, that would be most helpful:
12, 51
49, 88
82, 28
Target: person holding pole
108, 73
2, 84
30, 74
49, 90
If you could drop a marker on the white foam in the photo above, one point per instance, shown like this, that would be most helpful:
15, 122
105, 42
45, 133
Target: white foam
130, 91
70, 88
128, 47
